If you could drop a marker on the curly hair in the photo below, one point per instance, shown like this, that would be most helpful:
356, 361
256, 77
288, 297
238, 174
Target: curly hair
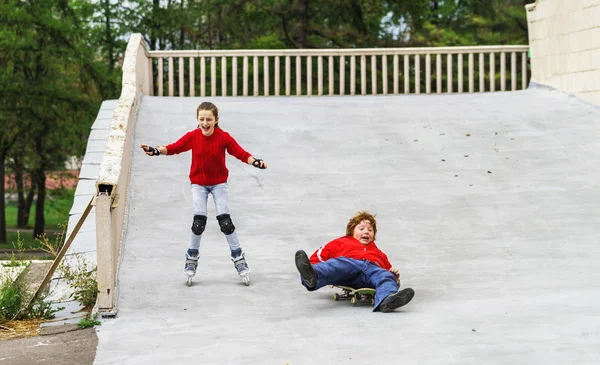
359, 217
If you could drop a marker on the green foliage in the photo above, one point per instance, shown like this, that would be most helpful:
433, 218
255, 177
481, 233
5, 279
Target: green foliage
11, 299
82, 278
42, 309
88, 322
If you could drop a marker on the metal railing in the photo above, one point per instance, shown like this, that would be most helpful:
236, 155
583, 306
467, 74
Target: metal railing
369, 71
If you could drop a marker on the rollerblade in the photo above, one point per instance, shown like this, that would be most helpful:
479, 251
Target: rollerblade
239, 262
189, 270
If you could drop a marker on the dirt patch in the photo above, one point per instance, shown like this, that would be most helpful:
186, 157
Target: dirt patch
20, 329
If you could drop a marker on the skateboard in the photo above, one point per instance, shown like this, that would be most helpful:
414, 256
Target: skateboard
355, 295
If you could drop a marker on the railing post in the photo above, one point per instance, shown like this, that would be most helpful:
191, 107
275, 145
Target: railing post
288, 76
503, 71
374, 75
234, 76
492, 72
438, 77
460, 72
308, 75
481, 73
513, 71
255, 68
320, 75
352, 75
298, 75
277, 74
245, 76
428, 73
181, 75
224, 76
417, 74
524, 70
202, 76
160, 76
342, 75
396, 76
192, 81
363, 75
170, 76
330, 74
384, 83
406, 74
449, 72
213, 76
471, 74
266, 75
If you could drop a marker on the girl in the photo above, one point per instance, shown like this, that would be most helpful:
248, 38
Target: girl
208, 175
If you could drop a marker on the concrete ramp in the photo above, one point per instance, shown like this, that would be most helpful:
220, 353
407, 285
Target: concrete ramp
488, 204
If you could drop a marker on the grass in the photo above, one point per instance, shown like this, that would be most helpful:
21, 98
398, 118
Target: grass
56, 214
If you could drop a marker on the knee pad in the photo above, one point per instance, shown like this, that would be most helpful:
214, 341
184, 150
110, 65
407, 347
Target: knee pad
199, 224
226, 224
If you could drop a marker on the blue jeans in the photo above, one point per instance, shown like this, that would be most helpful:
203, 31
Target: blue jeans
200, 200
356, 274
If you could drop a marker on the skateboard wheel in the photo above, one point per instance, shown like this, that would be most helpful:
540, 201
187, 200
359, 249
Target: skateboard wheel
372, 301
336, 296
353, 300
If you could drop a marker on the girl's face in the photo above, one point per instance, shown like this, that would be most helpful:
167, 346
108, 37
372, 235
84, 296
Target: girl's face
363, 232
206, 122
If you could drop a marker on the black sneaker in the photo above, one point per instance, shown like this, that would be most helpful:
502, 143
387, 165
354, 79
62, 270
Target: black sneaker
307, 272
396, 300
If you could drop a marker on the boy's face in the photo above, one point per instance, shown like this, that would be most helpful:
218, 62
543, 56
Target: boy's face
206, 122
363, 232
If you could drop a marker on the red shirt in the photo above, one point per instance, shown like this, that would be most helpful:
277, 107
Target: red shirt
208, 155
351, 248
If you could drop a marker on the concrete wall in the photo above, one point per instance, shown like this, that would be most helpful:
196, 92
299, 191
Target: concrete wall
564, 36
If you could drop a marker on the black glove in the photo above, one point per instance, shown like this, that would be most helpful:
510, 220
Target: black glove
155, 151
257, 164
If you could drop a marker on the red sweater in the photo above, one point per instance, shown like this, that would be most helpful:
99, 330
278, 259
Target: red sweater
208, 155
351, 248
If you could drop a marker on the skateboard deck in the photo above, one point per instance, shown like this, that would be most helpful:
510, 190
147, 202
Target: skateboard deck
355, 295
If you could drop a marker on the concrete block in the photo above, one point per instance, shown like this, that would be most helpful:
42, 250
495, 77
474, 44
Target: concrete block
89, 172
85, 187
595, 12
584, 20
88, 225
83, 242
596, 37
98, 135
590, 3
595, 58
80, 203
591, 97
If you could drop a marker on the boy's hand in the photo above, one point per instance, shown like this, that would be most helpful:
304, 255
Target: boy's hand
150, 151
396, 273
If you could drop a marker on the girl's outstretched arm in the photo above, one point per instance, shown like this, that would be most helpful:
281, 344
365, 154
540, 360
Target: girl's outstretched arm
154, 151
256, 162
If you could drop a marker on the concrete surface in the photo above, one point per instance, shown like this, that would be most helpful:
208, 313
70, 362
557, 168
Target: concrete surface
486, 202
69, 348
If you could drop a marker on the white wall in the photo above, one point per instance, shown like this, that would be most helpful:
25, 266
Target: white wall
564, 36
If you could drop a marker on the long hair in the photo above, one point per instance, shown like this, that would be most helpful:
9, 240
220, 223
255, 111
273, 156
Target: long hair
207, 105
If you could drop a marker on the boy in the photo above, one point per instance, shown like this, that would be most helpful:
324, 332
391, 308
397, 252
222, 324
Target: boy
355, 261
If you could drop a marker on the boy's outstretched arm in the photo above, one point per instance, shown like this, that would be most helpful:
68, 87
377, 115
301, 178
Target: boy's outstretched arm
154, 151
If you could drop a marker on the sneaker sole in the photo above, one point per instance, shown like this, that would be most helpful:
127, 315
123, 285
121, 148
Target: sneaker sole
400, 300
304, 268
